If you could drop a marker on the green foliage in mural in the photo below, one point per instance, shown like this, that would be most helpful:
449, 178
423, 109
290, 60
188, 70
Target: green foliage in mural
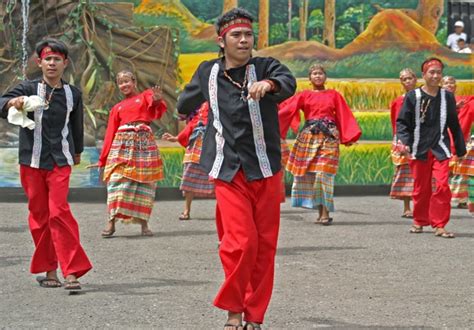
361, 164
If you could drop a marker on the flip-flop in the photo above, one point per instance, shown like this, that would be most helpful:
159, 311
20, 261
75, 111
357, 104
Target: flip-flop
147, 233
416, 229
72, 285
325, 221
107, 233
233, 326
45, 282
183, 216
407, 215
443, 234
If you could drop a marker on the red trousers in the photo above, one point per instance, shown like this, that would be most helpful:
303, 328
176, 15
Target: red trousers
55, 231
431, 208
250, 220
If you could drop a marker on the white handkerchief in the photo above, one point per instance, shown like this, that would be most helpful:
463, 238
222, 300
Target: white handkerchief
19, 118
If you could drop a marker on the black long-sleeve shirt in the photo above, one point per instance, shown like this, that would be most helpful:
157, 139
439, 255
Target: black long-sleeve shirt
59, 131
246, 143
423, 133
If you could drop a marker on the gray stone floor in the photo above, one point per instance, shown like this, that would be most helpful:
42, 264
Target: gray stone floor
365, 271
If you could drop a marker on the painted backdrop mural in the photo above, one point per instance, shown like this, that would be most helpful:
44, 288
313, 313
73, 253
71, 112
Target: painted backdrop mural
362, 43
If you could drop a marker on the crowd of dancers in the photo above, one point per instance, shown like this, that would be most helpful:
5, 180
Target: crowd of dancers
238, 110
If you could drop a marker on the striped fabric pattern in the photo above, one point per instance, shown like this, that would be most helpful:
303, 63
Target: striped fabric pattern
314, 152
402, 182
196, 180
285, 154
193, 151
398, 158
313, 189
466, 166
459, 188
128, 200
134, 155
470, 188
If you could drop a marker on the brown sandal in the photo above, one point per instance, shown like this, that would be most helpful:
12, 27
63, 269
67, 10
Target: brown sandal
184, 216
441, 232
416, 229
72, 285
325, 221
46, 282
107, 233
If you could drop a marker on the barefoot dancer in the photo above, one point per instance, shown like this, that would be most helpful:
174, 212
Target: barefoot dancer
241, 151
314, 158
195, 181
402, 181
422, 128
46, 155
130, 155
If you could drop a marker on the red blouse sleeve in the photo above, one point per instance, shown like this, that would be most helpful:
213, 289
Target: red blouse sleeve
288, 113
466, 116
156, 109
185, 134
112, 127
394, 111
346, 123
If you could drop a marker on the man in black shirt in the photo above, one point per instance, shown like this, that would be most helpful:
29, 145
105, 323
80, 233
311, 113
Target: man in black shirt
46, 154
241, 150
422, 128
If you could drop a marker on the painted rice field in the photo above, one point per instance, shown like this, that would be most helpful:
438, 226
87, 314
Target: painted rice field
360, 164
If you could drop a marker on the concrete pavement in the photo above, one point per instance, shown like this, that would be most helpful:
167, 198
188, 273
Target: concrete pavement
365, 271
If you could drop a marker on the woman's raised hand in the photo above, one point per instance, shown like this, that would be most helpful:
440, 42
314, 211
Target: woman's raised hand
157, 93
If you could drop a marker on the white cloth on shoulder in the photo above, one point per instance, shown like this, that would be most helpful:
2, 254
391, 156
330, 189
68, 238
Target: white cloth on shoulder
19, 117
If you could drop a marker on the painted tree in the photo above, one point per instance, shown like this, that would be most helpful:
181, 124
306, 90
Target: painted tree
290, 8
329, 23
303, 19
229, 4
263, 23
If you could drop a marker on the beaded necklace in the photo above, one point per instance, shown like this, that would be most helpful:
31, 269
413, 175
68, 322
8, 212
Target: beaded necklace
47, 99
242, 86
424, 108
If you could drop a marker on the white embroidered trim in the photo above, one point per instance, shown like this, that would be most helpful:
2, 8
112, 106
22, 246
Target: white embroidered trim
257, 127
416, 139
214, 105
442, 122
37, 133
65, 130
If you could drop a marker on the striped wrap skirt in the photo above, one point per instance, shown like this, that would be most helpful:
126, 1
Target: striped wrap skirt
402, 182
133, 167
195, 179
313, 161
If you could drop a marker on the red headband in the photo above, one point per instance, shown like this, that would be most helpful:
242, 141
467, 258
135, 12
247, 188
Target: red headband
47, 51
238, 22
432, 63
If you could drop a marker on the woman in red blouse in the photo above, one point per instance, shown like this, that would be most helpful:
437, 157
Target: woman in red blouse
195, 180
130, 157
402, 181
461, 181
314, 158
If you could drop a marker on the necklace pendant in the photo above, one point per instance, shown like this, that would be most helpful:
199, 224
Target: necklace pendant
242, 96
46, 105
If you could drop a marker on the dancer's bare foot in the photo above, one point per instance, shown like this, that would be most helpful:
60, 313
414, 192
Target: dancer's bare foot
234, 321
